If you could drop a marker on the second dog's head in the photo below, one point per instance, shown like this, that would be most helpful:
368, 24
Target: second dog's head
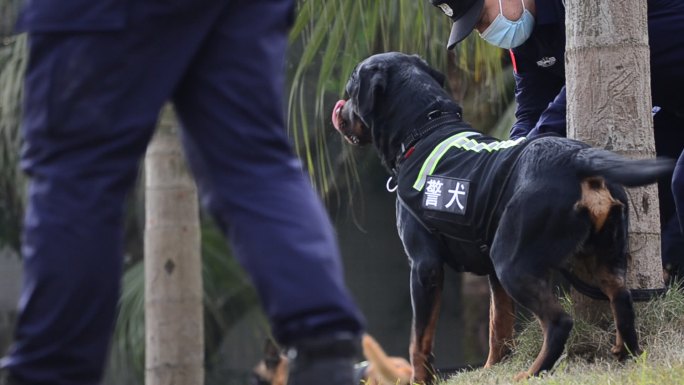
388, 94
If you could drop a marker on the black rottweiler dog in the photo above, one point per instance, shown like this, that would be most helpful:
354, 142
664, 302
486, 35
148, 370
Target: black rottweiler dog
513, 210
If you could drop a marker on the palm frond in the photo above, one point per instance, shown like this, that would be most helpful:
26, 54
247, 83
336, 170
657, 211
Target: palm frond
8, 14
12, 182
129, 335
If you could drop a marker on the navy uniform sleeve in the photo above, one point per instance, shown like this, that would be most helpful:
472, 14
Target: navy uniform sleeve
666, 42
537, 91
553, 119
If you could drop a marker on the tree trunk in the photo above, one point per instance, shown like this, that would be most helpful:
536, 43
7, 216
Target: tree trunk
609, 105
174, 326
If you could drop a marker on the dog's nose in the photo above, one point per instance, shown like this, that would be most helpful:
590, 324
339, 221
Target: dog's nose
336, 114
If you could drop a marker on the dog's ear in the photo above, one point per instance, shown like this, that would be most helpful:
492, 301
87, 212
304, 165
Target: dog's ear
441, 79
372, 81
438, 76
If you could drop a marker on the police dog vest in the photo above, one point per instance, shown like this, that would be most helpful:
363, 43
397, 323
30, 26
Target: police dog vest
454, 182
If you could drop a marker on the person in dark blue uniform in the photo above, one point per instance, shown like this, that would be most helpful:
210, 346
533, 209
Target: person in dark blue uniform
534, 31
97, 77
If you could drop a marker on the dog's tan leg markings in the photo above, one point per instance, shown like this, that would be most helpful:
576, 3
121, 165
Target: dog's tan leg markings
421, 346
555, 325
501, 321
597, 200
613, 286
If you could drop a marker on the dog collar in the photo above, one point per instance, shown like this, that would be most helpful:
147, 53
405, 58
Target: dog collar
435, 119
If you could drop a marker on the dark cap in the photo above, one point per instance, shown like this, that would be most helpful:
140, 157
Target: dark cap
464, 13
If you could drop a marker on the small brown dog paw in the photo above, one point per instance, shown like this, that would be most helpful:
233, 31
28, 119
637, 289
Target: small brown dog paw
521, 376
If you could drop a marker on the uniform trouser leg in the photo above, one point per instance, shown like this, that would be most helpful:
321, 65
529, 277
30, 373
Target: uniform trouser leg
231, 106
91, 104
678, 189
677, 264
669, 139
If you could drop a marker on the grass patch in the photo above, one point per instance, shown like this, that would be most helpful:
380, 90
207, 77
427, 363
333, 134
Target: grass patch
587, 359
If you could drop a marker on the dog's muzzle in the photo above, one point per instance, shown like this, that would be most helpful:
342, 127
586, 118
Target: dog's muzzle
336, 114
349, 124
339, 124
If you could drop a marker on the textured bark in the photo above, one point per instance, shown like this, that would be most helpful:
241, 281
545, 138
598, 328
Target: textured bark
174, 353
609, 106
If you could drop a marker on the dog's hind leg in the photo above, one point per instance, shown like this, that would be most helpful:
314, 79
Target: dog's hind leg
536, 294
535, 235
608, 243
613, 285
501, 322
611, 251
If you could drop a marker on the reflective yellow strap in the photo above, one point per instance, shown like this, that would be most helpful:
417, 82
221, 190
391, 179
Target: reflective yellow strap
431, 161
460, 140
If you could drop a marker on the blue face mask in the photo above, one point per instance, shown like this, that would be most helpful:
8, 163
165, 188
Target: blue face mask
506, 33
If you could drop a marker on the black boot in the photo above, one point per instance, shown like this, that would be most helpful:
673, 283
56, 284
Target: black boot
325, 360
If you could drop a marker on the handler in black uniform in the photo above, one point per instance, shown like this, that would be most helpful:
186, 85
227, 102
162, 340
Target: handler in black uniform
98, 75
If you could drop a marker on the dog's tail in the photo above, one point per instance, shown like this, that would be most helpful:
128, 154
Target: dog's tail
616, 168
386, 370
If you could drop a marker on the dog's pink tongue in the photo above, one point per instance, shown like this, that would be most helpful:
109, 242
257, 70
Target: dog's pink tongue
338, 106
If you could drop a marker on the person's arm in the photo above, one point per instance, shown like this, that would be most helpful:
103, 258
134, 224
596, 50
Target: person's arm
553, 119
535, 92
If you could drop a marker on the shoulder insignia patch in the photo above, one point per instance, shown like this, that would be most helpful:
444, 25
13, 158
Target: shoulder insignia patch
546, 61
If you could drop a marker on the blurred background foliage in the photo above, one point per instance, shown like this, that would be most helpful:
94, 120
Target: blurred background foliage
327, 40
12, 64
